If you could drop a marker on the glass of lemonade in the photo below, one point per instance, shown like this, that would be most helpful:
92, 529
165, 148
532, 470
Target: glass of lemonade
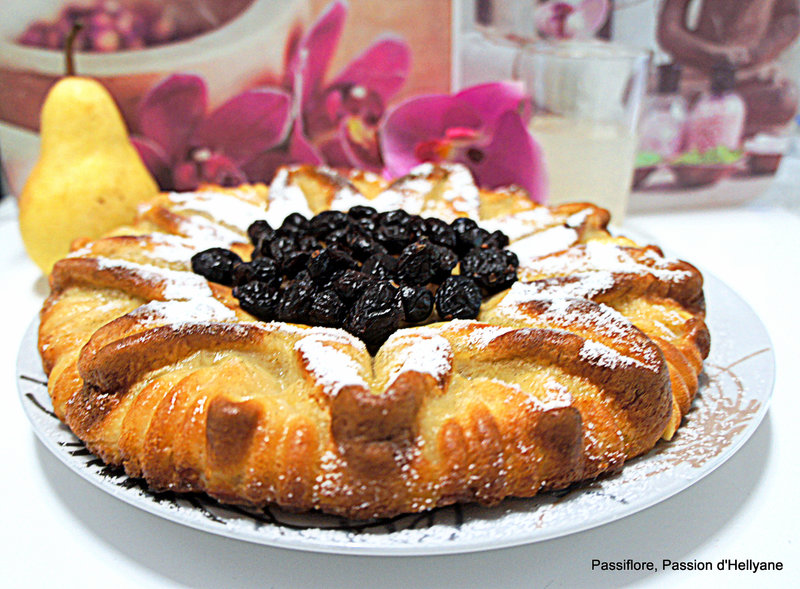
586, 97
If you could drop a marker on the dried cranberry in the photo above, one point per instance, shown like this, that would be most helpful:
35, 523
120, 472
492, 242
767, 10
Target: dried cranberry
362, 212
327, 309
350, 284
440, 233
262, 269
375, 315
417, 303
444, 260
216, 264
323, 263
260, 230
296, 301
293, 262
294, 223
458, 298
259, 299
492, 269
497, 239
380, 266
416, 265
327, 221
281, 247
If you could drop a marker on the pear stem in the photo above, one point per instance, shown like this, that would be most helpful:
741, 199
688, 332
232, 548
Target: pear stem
69, 60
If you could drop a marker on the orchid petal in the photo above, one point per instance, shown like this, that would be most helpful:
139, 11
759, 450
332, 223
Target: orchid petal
383, 68
363, 155
155, 160
221, 171
215, 169
300, 148
314, 53
334, 153
550, 19
290, 53
511, 157
595, 14
170, 111
571, 19
246, 125
185, 176
492, 100
419, 119
263, 167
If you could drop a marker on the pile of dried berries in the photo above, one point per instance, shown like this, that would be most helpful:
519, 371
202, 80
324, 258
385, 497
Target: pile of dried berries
364, 271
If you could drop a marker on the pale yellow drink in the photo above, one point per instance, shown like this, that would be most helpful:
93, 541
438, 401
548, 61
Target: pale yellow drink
586, 160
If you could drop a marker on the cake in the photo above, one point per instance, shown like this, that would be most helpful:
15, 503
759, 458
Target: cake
587, 360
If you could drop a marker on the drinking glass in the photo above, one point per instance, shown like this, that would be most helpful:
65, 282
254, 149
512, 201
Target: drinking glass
586, 97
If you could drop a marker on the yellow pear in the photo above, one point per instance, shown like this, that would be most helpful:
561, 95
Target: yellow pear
89, 178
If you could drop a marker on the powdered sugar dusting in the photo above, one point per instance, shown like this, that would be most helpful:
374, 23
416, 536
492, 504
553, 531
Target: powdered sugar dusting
520, 224
482, 336
565, 310
556, 397
223, 208
172, 249
543, 243
407, 193
581, 316
577, 219
460, 190
582, 285
181, 312
427, 354
332, 368
285, 198
201, 229
175, 284
608, 257
329, 482
601, 355
347, 198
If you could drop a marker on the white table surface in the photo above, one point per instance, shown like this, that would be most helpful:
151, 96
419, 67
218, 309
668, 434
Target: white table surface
60, 531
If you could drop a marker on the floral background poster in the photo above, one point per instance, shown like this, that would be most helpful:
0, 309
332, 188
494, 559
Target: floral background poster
227, 91
724, 95
722, 100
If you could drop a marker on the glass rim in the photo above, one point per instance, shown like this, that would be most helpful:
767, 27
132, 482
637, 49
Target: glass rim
581, 50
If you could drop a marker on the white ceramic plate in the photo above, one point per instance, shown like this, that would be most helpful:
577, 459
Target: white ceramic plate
735, 392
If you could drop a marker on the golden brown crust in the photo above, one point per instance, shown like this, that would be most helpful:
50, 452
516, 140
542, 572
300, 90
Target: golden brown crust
583, 364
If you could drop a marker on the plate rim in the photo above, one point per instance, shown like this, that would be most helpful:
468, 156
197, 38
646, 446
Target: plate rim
461, 546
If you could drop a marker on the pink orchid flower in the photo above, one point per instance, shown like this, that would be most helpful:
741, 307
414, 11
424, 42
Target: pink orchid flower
183, 146
570, 19
481, 127
341, 117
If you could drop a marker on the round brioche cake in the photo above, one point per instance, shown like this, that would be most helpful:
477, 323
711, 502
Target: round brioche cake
586, 360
